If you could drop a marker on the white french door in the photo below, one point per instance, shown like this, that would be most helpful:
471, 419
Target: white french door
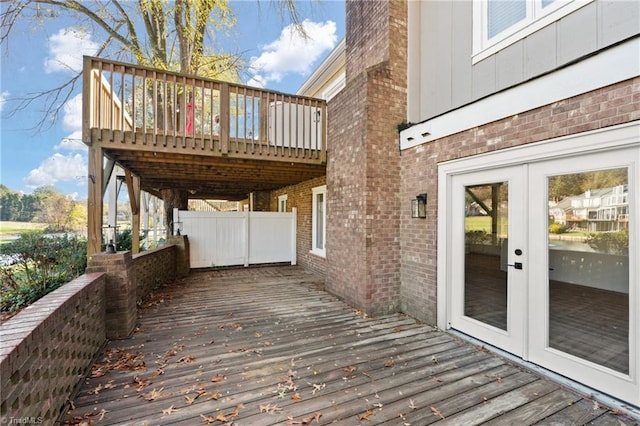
583, 297
535, 257
489, 273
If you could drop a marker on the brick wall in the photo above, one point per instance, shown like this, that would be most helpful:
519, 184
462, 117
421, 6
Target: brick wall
363, 169
616, 104
154, 268
47, 347
300, 196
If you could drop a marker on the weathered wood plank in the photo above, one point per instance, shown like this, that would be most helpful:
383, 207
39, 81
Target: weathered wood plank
261, 346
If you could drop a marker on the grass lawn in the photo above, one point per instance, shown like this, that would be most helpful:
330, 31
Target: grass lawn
14, 228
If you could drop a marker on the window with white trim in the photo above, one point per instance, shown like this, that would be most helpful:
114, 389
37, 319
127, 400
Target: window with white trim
319, 220
282, 203
499, 23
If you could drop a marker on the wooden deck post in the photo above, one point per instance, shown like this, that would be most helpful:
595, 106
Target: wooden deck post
94, 200
133, 187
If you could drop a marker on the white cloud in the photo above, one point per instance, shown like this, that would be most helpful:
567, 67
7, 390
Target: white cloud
66, 48
57, 168
292, 53
73, 142
3, 99
72, 121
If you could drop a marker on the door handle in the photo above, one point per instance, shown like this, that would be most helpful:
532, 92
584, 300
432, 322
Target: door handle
516, 265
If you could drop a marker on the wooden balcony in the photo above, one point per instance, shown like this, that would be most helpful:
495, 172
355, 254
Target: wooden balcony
210, 138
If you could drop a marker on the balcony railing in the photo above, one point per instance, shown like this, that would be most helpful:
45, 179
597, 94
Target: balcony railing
142, 106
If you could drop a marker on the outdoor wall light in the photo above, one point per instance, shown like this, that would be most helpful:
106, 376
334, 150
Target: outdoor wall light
419, 206
178, 228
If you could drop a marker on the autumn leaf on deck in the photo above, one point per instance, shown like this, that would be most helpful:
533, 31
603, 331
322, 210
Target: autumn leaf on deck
296, 397
390, 363
268, 408
412, 404
98, 371
217, 379
168, 411
366, 415
102, 413
140, 383
154, 394
190, 399
230, 416
208, 419
186, 359
317, 387
437, 412
305, 420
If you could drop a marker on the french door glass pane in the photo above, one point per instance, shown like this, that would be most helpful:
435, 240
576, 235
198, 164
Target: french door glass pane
486, 227
588, 259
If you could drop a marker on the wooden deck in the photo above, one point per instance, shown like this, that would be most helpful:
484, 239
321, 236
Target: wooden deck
265, 346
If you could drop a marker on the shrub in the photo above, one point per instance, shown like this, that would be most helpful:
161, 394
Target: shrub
609, 242
42, 264
477, 237
124, 241
557, 228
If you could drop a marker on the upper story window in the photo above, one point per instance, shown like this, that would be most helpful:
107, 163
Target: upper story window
499, 23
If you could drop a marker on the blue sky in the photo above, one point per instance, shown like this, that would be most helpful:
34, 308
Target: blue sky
39, 57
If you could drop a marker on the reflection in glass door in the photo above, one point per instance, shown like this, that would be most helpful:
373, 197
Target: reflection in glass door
488, 267
588, 258
486, 245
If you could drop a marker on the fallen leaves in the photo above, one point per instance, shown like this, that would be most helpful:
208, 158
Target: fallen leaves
305, 420
218, 378
185, 359
436, 412
268, 408
154, 394
317, 387
223, 418
366, 415
168, 411
118, 360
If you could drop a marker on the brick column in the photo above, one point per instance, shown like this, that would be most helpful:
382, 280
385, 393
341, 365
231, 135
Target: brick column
183, 265
120, 291
363, 167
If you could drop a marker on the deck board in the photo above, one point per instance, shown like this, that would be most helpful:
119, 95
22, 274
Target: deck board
268, 346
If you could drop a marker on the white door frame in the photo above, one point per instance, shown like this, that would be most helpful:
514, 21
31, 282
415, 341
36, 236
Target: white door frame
602, 140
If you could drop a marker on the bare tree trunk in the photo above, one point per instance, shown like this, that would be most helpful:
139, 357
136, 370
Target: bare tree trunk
173, 198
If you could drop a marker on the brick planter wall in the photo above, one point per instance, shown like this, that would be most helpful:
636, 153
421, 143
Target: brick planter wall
300, 196
154, 268
46, 348
608, 106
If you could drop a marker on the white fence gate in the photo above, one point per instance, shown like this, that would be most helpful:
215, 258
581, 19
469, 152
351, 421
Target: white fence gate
238, 238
